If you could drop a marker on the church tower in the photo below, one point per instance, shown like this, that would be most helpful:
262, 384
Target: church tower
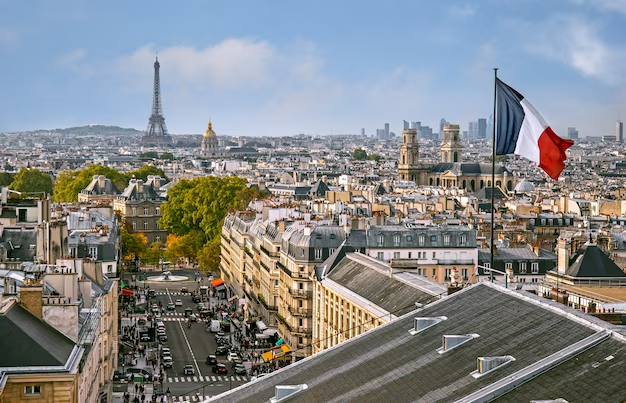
210, 146
408, 165
451, 145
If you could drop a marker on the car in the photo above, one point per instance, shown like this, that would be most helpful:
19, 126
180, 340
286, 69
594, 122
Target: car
160, 327
125, 337
188, 370
171, 306
145, 338
211, 360
237, 361
151, 293
141, 321
155, 309
184, 290
179, 302
165, 351
162, 338
188, 311
220, 334
196, 298
167, 361
221, 350
219, 369
232, 356
240, 370
193, 317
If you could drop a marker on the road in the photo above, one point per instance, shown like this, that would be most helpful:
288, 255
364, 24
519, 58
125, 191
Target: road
190, 346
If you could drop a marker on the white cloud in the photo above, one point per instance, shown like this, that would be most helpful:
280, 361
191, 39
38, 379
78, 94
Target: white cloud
607, 5
462, 10
75, 62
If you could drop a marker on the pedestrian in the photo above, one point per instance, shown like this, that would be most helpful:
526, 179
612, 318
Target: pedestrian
136, 388
143, 398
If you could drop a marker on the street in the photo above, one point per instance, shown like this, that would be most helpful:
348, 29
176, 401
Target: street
189, 345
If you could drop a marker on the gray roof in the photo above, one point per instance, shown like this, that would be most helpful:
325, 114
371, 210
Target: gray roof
29, 341
590, 261
321, 236
461, 168
388, 364
523, 253
359, 274
19, 243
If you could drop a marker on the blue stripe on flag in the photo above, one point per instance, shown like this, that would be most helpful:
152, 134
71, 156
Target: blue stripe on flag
510, 115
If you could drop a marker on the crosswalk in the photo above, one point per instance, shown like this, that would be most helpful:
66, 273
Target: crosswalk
174, 319
208, 378
194, 398
171, 293
173, 313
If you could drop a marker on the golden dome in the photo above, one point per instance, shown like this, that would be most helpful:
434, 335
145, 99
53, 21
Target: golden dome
209, 131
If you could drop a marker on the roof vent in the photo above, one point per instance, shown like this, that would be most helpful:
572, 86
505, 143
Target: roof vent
488, 364
451, 341
559, 400
285, 392
424, 323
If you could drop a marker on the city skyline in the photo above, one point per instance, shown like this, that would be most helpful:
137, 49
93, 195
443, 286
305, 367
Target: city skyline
269, 71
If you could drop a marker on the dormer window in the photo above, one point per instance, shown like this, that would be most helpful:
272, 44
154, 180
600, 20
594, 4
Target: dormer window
462, 240
446, 240
396, 240
381, 240
409, 238
421, 239
433, 239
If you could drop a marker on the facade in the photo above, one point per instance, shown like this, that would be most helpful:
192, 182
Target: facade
450, 172
140, 206
619, 131
210, 145
100, 190
431, 251
355, 293
527, 265
572, 133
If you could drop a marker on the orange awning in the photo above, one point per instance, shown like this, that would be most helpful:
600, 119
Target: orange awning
217, 283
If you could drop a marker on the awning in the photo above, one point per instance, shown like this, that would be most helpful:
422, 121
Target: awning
270, 332
262, 336
127, 292
233, 298
220, 288
261, 326
217, 282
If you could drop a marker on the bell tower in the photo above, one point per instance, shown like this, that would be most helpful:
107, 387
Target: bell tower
451, 145
408, 164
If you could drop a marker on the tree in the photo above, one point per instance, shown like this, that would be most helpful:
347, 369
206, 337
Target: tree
152, 255
209, 256
134, 245
5, 178
70, 183
185, 246
167, 156
31, 180
149, 155
373, 157
145, 171
359, 154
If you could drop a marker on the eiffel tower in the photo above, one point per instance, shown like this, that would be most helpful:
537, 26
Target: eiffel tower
156, 133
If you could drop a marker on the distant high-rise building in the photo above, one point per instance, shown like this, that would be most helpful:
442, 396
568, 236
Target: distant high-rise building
482, 128
405, 125
386, 130
619, 131
465, 134
416, 125
363, 132
490, 126
572, 133
472, 130
442, 123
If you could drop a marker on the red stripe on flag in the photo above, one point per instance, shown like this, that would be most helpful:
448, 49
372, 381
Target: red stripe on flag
552, 152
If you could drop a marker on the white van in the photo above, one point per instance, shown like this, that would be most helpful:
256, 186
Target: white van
215, 326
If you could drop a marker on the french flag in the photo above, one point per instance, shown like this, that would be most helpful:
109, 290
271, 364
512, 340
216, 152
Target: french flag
521, 130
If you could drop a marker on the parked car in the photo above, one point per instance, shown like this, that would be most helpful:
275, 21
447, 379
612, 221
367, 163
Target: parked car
240, 370
167, 361
188, 370
162, 337
219, 369
232, 356
179, 302
165, 351
141, 321
221, 350
211, 360
145, 338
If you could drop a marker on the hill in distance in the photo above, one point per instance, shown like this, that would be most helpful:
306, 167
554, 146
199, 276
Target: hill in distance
93, 130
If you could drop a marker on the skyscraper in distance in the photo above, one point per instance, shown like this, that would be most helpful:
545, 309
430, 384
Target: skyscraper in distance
442, 123
482, 128
619, 131
572, 133
405, 125
386, 130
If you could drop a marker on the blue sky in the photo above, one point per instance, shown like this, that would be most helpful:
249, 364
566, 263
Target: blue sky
284, 67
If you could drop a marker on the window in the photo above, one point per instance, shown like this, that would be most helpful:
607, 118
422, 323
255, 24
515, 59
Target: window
93, 252
464, 274
381, 240
409, 255
110, 268
421, 239
300, 340
434, 273
275, 283
396, 255
32, 390
157, 211
381, 256
134, 210
522, 268
448, 273
300, 323
409, 238
331, 251
462, 240
433, 239
157, 225
534, 267
446, 240
157, 239
145, 211
534, 280
486, 266
145, 225
396, 240
318, 254
508, 266
73, 252
134, 226
434, 255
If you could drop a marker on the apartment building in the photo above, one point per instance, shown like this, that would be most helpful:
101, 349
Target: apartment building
101, 190
140, 205
434, 251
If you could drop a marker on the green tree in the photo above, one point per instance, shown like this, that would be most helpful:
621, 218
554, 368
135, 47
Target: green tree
5, 178
373, 157
70, 183
359, 154
134, 245
31, 180
167, 156
149, 155
152, 255
145, 171
185, 246
209, 256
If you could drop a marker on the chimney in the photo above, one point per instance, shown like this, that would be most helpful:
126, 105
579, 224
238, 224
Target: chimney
563, 254
307, 231
139, 186
31, 297
84, 287
295, 177
281, 226
101, 181
315, 176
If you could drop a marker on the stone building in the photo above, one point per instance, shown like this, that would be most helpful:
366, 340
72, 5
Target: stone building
140, 206
451, 171
100, 190
210, 144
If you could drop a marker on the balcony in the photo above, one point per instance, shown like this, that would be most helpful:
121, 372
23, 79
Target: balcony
284, 322
267, 269
303, 332
268, 253
455, 261
283, 268
247, 280
248, 252
300, 274
224, 238
300, 311
265, 305
251, 297
305, 294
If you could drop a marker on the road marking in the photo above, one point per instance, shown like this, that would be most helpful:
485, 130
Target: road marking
170, 380
188, 379
175, 379
185, 336
213, 379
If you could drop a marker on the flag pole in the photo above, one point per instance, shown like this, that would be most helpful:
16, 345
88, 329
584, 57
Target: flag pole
493, 172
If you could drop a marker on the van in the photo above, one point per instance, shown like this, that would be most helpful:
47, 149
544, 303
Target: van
215, 326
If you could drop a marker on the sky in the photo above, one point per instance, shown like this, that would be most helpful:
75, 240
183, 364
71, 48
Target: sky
284, 67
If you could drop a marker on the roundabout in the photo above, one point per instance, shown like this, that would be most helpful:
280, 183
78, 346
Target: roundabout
166, 277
